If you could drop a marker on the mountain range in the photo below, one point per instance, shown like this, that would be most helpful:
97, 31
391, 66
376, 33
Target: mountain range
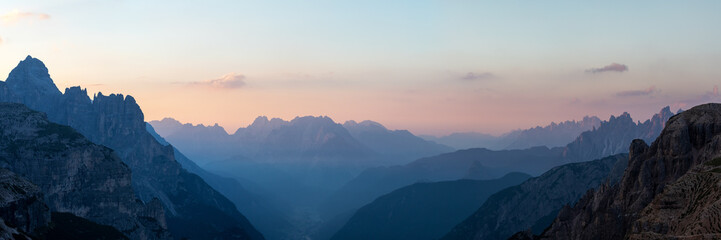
552, 135
264, 139
72, 167
487, 164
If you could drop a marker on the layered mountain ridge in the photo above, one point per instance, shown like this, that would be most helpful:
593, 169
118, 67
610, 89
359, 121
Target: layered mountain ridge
533, 204
487, 164
422, 210
551, 135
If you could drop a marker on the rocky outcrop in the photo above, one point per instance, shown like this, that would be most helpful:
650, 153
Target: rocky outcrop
22, 210
667, 191
75, 175
533, 204
116, 121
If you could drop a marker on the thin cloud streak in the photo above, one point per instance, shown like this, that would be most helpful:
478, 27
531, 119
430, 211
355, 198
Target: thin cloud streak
613, 67
636, 93
16, 16
227, 81
472, 76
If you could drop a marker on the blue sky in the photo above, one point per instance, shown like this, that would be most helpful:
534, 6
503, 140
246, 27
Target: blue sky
433, 67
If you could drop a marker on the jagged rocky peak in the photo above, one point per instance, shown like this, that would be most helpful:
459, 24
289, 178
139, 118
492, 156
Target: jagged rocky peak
77, 91
262, 122
126, 112
350, 123
322, 120
31, 76
367, 124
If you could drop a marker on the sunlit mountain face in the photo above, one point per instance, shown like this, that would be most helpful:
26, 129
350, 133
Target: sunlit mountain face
320, 120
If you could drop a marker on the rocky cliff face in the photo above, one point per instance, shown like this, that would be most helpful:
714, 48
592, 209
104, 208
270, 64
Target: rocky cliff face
22, 210
75, 175
534, 203
117, 122
667, 191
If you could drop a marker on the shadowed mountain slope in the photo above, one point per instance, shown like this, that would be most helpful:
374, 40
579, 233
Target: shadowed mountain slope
422, 210
534, 203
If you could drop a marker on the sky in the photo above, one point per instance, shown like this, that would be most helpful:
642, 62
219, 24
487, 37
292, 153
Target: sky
432, 67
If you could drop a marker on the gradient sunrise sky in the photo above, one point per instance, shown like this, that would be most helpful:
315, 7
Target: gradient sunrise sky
433, 67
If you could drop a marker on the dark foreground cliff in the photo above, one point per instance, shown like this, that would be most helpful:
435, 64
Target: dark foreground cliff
72, 175
22, 209
669, 190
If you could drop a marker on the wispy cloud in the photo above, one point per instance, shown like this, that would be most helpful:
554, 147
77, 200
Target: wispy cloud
227, 81
635, 93
472, 76
613, 67
16, 16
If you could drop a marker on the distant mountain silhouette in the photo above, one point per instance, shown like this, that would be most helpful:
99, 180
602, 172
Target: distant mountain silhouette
422, 210
117, 122
552, 135
272, 138
614, 136
398, 146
